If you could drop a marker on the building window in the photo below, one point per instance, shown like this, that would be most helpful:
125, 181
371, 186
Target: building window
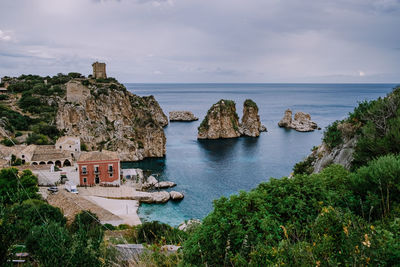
60, 147
84, 170
23, 156
110, 168
84, 180
96, 169
111, 174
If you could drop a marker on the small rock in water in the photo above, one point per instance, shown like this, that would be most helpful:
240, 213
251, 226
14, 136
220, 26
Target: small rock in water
165, 184
302, 122
176, 195
182, 116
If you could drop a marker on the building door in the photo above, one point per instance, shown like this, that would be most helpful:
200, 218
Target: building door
97, 179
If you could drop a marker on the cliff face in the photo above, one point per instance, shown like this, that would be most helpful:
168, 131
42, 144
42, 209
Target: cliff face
221, 121
341, 154
112, 118
251, 124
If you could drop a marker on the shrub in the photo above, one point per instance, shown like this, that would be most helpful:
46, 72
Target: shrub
247, 228
377, 186
154, 232
332, 135
304, 167
4, 97
37, 139
15, 120
250, 103
8, 142
84, 146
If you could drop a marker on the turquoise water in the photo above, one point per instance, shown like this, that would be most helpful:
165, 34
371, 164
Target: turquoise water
207, 170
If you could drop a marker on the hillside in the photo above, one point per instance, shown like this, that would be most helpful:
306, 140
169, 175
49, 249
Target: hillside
38, 110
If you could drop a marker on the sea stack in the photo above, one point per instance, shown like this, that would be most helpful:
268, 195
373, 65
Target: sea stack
221, 121
302, 122
251, 124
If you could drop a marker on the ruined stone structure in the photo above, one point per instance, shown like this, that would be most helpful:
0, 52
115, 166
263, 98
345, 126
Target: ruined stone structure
99, 70
76, 92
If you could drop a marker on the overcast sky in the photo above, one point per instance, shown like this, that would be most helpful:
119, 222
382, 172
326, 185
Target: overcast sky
204, 40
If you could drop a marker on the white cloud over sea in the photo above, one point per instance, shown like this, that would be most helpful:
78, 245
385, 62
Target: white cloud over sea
205, 40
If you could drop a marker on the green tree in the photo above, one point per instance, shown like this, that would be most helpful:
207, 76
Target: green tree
16, 187
50, 244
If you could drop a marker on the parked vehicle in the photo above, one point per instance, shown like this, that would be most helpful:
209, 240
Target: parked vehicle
53, 189
70, 187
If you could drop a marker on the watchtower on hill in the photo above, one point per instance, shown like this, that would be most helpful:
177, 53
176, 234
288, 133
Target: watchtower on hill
99, 70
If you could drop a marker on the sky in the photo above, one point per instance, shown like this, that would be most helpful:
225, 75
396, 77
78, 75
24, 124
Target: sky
190, 41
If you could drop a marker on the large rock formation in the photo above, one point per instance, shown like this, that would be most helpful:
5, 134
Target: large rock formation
221, 121
302, 121
112, 118
182, 116
251, 124
341, 154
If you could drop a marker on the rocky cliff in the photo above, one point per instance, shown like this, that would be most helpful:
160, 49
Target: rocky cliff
222, 121
251, 124
112, 118
302, 121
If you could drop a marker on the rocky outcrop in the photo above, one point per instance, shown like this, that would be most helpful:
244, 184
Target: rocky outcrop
189, 225
176, 195
286, 121
221, 121
251, 124
112, 118
155, 110
154, 197
182, 116
164, 184
301, 123
341, 154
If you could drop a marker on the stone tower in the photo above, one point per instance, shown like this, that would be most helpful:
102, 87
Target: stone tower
99, 70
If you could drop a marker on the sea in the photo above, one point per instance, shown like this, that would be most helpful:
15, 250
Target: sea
205, 170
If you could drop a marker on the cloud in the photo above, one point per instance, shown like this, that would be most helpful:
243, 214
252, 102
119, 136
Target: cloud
4, 36
204, 41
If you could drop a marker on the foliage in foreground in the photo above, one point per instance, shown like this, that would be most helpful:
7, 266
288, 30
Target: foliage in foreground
307, 220
27, 220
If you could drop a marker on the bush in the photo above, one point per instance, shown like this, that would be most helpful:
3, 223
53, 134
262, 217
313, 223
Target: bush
304, 167
15, 119
37, 139
247, 228
8, 142
155, 232
4, 97
332, 135
376, 186
250, 103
